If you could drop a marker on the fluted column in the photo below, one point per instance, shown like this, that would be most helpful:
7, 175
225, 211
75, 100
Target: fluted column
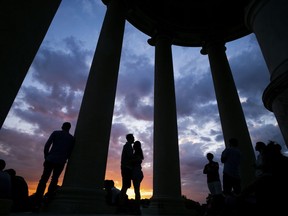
231, 114
82, 190
166, 197
268, 20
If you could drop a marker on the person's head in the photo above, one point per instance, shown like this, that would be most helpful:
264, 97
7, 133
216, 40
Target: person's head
233, 142
2, 164
137, 145
66, 126
137, 149
210, 156
108, 184
130, 138
260, 146
11, 172
274, 147
112, 183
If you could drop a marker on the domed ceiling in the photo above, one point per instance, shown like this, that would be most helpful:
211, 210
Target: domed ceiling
189, 22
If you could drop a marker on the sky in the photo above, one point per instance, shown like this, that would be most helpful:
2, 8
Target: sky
53, 89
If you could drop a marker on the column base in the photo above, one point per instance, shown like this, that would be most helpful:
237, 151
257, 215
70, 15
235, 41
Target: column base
5, 206
71, 200
168, 206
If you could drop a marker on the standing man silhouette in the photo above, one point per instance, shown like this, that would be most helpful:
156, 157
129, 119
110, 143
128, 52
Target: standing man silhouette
57, 150
126, 170
231, 158
211, 169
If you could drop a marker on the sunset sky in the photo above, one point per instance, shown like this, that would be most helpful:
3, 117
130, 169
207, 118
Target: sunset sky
53, 90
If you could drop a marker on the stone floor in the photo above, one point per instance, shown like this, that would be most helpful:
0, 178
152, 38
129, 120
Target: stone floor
145, 211
47, 214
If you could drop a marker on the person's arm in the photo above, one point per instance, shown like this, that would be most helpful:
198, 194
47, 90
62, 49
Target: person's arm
217, 166
48, 145
205, 169
223, 156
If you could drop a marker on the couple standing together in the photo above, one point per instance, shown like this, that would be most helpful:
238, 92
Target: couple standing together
131, 169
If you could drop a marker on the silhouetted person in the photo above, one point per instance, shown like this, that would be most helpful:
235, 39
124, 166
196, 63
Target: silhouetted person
260, 148
5, 181
112, 193
137, 175
231, 158
20, 192
211, 169
215, 198
57, 150
270, 188
5, 190
126, 171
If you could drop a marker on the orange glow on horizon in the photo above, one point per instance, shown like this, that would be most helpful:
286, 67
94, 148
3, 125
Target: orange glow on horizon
146, 193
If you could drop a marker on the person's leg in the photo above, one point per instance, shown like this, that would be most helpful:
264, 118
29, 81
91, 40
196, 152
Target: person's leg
227, 184
48, 167
136, 185
136, 207
58, 168
126, 183
218, 187
236, 186
211, 188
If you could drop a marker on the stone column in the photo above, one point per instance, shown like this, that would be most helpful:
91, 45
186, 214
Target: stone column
23, 27
231, 114
268, 20
166, 197
82, 190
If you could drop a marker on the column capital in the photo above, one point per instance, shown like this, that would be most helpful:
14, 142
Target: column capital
208, 44
160, 35
274, 89
107, 2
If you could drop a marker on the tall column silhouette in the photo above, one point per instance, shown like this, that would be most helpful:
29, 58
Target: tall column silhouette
166, 197
82, 190
23, 27
268, 20
230, 110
